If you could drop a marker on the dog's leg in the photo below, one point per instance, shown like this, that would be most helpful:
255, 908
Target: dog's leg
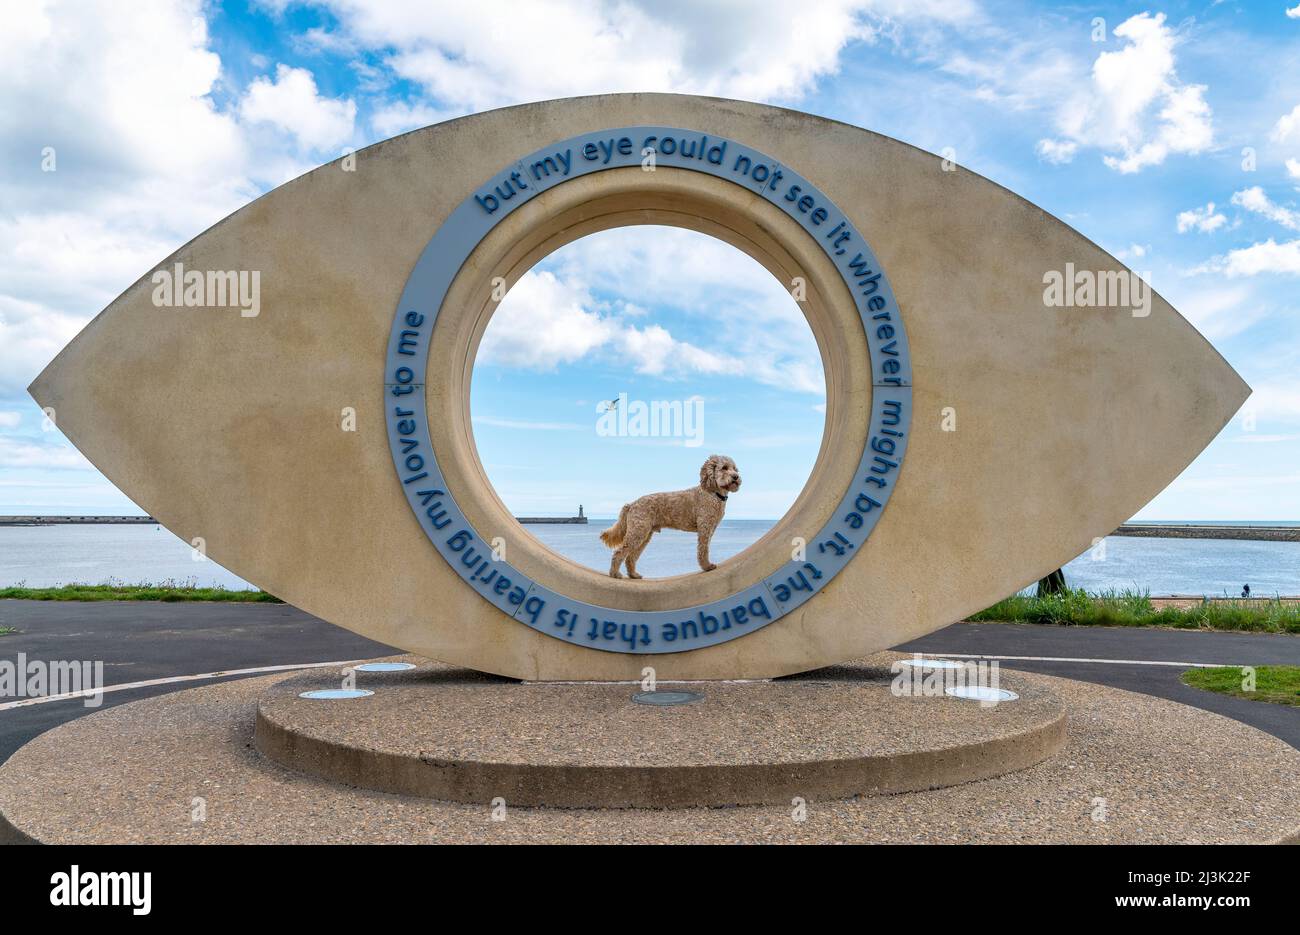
619, 554
702, 541
633, 556
638, 536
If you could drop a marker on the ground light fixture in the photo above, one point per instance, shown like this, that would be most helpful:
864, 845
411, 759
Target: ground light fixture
667, 699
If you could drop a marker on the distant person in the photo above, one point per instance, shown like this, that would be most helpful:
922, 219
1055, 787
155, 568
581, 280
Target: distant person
1245, 590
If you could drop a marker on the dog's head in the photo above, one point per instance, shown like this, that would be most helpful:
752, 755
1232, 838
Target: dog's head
719, 474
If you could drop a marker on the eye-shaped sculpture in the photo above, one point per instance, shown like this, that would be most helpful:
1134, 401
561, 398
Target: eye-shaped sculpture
292, 387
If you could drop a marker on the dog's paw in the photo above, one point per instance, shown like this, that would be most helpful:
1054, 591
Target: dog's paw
708, 567
614, 574
634, 575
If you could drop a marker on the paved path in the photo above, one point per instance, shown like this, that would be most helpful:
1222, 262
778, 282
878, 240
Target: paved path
144, 641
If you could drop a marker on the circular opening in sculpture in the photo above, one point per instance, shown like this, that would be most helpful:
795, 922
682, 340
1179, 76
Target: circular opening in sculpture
619, 198
625, 368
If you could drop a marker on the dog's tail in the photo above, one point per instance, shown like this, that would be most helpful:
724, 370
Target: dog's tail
613, 536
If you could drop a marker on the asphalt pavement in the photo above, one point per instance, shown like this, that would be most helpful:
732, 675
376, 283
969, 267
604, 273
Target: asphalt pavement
149, 642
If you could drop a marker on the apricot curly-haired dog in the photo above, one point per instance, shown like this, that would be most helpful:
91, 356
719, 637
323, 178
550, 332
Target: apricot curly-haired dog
697, 509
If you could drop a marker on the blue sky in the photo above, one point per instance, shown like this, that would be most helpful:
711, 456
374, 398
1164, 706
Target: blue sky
1168, 133
651, 314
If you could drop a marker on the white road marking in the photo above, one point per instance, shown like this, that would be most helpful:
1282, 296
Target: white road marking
1113, 662
171, 680
127, 686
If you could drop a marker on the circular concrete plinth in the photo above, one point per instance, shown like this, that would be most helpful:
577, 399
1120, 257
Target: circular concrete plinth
183, 768
459, 736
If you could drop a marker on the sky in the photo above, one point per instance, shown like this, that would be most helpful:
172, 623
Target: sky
1167, 133
610, 325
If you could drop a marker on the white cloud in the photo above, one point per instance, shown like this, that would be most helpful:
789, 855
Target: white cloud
30, 335
543, 322
1057, 152
1254, 199
141, 160
21, 453
553, 315
1286, 125
145, 160
1204, 219
318, 38
291, 102
1185, 128
684, 269
749, 315
653, 350
546, 321
137, 103
399, 117
473, 56
1293, 12
1135, 107
1293, 168
1266, 257
10, 420
999, 65
117, 99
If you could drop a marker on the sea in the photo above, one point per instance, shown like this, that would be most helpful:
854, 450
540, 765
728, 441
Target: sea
45, 556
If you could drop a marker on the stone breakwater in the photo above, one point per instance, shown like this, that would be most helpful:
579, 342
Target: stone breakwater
1195, 531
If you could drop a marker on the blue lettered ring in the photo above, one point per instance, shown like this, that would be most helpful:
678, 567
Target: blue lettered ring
685, 628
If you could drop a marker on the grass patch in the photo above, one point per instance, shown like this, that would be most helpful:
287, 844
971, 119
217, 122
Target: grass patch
1076, 607
1275, 684
5, 631
117, 591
